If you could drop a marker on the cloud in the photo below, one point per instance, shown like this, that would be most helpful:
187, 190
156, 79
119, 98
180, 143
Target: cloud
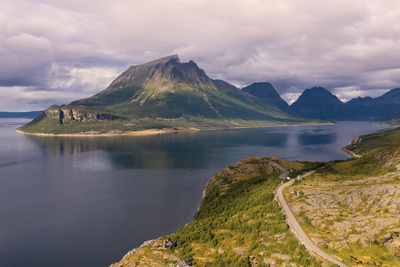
25, 59
70, 49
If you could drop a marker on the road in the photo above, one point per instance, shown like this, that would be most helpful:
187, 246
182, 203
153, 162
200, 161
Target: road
296, 226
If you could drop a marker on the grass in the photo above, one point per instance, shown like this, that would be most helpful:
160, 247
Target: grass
164, 104
239, 223
380, 155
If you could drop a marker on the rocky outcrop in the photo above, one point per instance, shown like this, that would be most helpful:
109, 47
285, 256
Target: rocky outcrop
340, 214
71, 114
151, 253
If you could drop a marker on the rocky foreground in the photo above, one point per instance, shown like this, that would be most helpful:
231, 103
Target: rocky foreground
357, 219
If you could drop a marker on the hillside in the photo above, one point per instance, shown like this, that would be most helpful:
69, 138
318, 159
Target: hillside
266, 91
350, 208
164, 93
238, 224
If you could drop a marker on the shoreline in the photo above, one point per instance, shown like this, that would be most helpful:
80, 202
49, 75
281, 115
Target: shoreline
351, 153
159, 131
132, 133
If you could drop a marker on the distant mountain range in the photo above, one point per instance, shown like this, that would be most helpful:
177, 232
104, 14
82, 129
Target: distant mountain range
319, 103
166, 93
27, 114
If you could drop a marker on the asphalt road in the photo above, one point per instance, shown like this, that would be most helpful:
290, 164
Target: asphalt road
297, 228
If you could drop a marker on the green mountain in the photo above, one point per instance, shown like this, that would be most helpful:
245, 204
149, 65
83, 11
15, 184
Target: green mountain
164, 93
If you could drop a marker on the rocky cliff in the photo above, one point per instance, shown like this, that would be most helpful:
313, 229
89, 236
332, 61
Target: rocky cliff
69, 114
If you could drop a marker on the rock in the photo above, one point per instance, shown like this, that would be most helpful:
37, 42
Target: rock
184, 264
393, 244
239, 250
317, 241
221, 251
281, 256
270, 262
387, 237
279, 236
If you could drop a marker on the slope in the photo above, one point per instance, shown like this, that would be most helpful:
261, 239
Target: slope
266, 91
164, 93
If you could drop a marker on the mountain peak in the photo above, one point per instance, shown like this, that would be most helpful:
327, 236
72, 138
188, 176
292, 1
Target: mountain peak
261, 89
164, 60
160, 71
266, 91
317, 96
163, 93
316, 102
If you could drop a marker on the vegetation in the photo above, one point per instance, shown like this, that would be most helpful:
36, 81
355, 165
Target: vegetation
383, 143
239, 223
162, 94
350, 207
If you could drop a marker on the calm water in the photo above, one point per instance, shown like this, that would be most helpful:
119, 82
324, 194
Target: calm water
87, 201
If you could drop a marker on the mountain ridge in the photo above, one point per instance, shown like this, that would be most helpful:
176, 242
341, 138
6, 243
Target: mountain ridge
325, 105
266, 91
163, 93
166, 93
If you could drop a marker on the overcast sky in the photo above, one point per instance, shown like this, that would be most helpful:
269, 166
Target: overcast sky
56, 51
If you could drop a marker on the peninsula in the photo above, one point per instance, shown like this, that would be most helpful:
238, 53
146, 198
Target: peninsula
239, 222
165, 94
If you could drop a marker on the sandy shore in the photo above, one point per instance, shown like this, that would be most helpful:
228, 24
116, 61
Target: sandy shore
351, 153
132, 133
157, 131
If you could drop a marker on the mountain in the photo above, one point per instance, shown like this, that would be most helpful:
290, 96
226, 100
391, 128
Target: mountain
163, 93
266, 91
393, 96
318, 103
360, 101
383, 108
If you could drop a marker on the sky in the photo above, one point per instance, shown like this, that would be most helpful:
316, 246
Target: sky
57, 51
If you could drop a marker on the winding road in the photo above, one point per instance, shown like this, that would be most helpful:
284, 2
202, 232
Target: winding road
296, 226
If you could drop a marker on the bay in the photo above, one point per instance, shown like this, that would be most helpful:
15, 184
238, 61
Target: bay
86, 201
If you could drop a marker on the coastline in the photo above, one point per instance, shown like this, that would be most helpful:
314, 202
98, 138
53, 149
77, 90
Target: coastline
161, 131
351, 153
132, 133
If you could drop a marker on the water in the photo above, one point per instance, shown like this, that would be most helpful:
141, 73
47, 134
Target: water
86, 201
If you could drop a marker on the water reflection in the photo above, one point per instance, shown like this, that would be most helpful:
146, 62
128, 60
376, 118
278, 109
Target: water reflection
105, 195
196, 150
316, 139
180, 150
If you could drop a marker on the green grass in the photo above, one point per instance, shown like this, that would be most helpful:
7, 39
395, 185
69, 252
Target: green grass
239, 211
166, 104
380, 155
